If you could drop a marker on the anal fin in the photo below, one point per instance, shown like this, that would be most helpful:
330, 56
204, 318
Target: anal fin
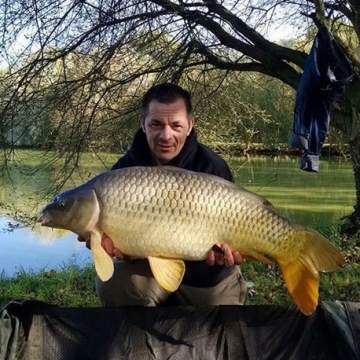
167, 272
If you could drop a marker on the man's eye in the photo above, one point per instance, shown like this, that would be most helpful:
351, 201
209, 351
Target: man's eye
155, 125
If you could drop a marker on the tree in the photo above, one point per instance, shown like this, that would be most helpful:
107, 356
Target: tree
178, 40
243, 111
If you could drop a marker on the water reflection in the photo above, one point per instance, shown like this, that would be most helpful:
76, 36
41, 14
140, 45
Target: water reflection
35, 249
306, 198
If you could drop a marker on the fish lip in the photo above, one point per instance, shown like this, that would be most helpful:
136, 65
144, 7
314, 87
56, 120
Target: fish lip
42, 219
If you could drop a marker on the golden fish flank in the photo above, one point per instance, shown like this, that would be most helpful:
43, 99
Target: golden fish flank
168, 215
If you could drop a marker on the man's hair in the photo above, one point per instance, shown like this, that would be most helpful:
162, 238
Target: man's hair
165, 93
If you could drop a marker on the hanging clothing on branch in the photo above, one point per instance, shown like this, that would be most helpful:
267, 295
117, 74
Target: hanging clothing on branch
327, 70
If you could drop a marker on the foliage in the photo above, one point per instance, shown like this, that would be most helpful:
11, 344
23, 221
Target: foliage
247, 108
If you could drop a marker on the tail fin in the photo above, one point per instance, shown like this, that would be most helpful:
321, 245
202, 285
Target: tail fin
302, 275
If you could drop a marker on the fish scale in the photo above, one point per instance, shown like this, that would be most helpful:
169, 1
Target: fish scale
169, 215
198, 223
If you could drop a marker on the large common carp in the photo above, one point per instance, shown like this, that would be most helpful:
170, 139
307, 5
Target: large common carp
168, 215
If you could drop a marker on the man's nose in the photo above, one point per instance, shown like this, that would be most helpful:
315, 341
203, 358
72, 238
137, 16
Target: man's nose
166, 133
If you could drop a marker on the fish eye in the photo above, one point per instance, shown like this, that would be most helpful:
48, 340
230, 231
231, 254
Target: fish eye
58, 201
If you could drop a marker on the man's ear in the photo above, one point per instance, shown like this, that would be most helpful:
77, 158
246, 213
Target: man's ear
142, 124
191, 125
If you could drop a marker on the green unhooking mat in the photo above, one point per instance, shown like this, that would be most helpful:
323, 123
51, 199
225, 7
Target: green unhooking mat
34, 330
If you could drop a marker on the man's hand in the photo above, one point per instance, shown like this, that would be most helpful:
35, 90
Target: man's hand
220, 254
108, 246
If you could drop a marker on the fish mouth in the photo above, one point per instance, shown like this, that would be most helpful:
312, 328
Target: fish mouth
44, 220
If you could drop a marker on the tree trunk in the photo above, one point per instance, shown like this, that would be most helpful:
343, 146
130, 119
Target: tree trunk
352, 224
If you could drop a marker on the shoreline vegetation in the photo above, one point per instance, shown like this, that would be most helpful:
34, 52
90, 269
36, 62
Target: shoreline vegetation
227, 148
240, 149
73, 286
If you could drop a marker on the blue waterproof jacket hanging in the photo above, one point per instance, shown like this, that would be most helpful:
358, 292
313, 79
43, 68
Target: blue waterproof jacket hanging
327, 70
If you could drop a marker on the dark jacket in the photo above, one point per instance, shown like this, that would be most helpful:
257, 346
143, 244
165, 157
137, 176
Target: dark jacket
326, 72
193, 156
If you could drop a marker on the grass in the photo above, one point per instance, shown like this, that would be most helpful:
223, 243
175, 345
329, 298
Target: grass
73, 286
70, 286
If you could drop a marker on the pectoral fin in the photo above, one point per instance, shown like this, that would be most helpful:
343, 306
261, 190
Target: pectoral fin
104, 265
167, 272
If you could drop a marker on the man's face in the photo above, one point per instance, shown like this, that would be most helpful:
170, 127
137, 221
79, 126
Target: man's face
166, 127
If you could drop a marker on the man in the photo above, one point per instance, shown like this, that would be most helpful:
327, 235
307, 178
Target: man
167, 137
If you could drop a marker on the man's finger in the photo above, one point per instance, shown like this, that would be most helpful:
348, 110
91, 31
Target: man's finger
210, 259
237, 258
217, 249
228, 256
118, 254
219, 259
107, 244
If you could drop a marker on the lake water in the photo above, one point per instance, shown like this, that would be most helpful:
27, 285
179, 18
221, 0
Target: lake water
310, 199
25, 248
